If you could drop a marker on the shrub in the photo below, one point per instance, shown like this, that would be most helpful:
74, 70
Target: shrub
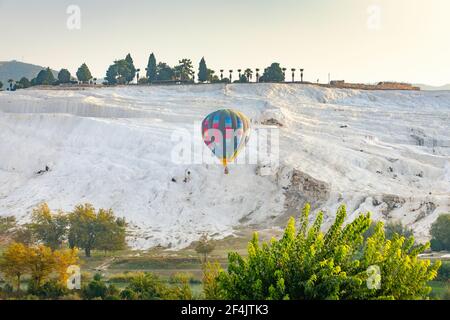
310, 264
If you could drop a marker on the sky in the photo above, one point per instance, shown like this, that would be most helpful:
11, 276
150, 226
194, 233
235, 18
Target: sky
352, 40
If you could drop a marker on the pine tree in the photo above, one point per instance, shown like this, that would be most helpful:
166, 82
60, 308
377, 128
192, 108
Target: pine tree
151, 68
202, 71
131, 74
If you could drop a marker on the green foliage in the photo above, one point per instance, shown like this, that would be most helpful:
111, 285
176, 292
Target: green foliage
164, 72
24, 83
121, 72
202, 71
90, 230
310, 264
48, 228
84, 74
151, 68
1, 84
112, 73
64, 76
204, 247
184, 71
52, 289
274, 73
95, 289
146, 286
131, 69
440, 233
444, 272
45, 77
6, 225
211, 288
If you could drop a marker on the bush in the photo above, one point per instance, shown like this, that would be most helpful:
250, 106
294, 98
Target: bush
440, 233
338, 264
50, 290
444, 272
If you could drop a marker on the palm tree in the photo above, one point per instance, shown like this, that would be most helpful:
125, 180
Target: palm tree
293, 74
248, 73
284, 72
221, 74
137, 75
301, 75
257, 75
231, 75
239, 70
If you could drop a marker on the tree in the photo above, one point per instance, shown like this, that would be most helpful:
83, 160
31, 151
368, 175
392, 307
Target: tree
440, 233
202, 71
84, 74
212, 77
45, 77
393, 228
273, 73
14, 262
151, 68
90, 230
337, 264
48, 228
110, 231
83, 228
248, 73
64, 259
204, 247
6, 225
164, 72
112, 74
131, 74
64, 76
24, 83
41, 263
1, 84
184, 70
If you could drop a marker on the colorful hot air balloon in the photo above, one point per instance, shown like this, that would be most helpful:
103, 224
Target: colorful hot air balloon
226, 132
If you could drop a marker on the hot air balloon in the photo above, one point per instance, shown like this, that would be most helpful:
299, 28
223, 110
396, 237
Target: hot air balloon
226, 132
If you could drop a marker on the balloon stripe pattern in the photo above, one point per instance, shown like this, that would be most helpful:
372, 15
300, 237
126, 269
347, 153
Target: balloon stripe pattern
226, 132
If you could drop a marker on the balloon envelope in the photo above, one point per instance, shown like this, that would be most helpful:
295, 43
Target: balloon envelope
226, 132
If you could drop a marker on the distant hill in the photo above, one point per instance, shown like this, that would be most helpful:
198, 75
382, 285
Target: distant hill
16, 70
432, 88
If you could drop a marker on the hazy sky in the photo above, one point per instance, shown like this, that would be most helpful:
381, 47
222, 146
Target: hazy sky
355, 40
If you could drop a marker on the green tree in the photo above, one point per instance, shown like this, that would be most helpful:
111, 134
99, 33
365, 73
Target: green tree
202, 71
84, 74
45, 77
151, 68
90, 230
212, 77
131, 74
112, 74
47, 227
310, 264
1, 85
24, 83
184, 70
204, 247
6, 225
248, 73
164, 72
64, 76
274, 73
440, 233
